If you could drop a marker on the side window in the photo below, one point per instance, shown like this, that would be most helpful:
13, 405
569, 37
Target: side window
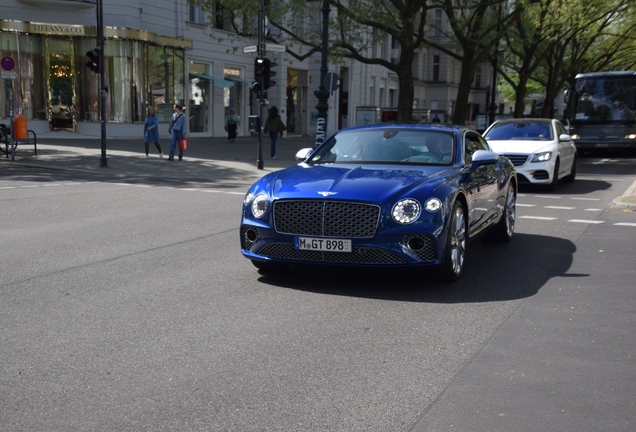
472, 143
560, 129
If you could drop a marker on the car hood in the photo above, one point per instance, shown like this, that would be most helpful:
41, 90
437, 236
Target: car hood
521, 146
373, 183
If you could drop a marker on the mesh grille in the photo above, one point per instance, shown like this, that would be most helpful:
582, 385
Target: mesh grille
426, 253
517, 160
358, 256
326, 218
541, 175
245, 242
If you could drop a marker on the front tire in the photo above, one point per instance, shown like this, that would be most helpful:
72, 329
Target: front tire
453, 264
505, 228
555, 178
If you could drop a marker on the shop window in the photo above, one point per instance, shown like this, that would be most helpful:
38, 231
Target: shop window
32, 92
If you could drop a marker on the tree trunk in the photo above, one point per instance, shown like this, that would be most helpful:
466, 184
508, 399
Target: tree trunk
463, 91
406, 92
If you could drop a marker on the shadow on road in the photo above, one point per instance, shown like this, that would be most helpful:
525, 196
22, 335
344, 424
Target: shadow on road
493, 273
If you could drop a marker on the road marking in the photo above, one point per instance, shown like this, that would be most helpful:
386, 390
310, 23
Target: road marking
559, 208
8, 187
586, 221
625, 224
586, 199
538, 217
591, 209
548, 196
526, 205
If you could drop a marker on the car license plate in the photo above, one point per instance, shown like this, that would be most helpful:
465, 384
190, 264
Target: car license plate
602, 145
322, 244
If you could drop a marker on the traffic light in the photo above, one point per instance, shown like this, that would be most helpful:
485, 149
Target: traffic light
93, 60
259, 70
268, 74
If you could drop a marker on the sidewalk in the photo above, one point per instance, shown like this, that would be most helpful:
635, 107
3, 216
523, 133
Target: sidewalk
207, 158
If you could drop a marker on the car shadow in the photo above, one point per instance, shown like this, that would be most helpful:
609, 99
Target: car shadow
493, 272
579, 187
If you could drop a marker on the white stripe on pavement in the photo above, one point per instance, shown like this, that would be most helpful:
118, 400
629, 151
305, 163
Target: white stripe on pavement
537, 217
586, 221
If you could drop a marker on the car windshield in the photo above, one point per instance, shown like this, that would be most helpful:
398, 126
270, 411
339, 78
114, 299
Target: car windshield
520, 131
402, 146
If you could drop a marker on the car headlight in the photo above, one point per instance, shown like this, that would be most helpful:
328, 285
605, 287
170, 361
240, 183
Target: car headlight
630, 136
575, 136
406, 211
433, 204
259, 205
542, 157
248, 198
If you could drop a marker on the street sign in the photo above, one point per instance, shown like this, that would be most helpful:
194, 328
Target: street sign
274, 47
9, 75
7, 63
250, 49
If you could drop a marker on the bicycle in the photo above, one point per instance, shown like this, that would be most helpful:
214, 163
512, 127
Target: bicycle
5, 140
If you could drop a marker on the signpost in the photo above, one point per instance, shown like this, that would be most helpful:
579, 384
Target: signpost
275, 47
250, 49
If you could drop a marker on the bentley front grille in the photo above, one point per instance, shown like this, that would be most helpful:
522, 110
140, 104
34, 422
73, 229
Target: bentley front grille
357, 256
326, 218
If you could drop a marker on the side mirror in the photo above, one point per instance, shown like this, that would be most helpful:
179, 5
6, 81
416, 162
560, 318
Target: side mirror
484, 157
303, 154
567, 94
564, 138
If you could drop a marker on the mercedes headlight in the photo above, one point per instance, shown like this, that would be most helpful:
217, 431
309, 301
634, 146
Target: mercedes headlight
259, 205
630, 136
406, 211
542, 157
575, 136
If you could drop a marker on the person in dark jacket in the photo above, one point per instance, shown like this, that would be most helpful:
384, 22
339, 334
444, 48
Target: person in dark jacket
274, 125
231, 123
177, 130
151, 132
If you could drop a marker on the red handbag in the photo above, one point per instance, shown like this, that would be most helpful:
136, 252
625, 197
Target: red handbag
183, 144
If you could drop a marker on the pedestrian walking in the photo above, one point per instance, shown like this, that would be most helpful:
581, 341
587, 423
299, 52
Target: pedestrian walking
151, 132
177, 130
274, 125
231, 124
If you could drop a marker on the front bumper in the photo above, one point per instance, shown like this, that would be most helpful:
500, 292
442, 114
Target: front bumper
396, 250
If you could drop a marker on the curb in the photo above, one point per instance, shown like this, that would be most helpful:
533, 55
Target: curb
627, 200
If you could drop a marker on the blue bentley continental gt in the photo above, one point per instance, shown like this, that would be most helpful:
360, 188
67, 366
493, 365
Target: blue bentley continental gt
389, 196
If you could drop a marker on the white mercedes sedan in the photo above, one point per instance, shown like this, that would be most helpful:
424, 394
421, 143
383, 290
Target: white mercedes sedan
541, 150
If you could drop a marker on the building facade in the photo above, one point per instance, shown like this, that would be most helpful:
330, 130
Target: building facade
163, 52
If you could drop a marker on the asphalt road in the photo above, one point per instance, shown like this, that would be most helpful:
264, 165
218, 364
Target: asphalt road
126, 305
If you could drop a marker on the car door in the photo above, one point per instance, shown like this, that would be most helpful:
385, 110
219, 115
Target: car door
481, 183
567, 149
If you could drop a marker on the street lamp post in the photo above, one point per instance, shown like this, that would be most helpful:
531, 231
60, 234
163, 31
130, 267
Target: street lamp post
493, 105
322, 93
103, 162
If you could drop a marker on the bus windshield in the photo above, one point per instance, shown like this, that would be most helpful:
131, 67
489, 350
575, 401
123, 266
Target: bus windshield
605, 99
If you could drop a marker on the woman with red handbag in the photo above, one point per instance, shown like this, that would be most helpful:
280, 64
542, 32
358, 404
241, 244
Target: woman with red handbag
177, 131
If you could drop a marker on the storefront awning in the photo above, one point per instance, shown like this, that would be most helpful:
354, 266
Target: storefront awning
218, 81
241, 80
